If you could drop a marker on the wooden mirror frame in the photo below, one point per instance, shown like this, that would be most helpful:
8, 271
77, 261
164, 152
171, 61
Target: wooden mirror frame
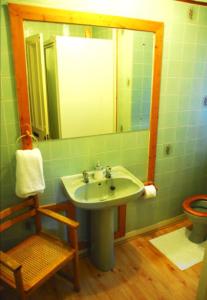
194, 2
20, 13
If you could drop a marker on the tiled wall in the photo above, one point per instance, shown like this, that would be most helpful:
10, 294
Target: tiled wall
51, 29
143, 47
182, 119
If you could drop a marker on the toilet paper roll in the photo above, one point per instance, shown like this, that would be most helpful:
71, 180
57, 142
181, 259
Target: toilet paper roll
150, 192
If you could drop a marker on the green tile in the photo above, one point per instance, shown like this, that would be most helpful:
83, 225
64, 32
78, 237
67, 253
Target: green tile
143, 138
192, 132
168, 119
182, 118
97, 144
202, 34
159, 151
133, 156
4, 15
190, 147
6, 64
60, 149
185, 88
129, 140
48, 169
2, 114
78, 147
11, 112
5, 40
202, 16
59, 168
173, 103
165, 180
181, 134
187, 69
166, 135
113, 142
45, 148
189, 52
179, 148
48, 196
175, 51
3, 135
190, 33
4, 156
164, 165
12, 150
13, 132
173, 86
142, 155
199, 69
174, 69
6, 177
112, 158
59, 194
177, 32
8, 91
79, 164
139, 170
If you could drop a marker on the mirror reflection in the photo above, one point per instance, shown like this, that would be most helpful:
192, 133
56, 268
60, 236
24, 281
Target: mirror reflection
87, 80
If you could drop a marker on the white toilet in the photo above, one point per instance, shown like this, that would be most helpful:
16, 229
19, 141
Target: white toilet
195, 208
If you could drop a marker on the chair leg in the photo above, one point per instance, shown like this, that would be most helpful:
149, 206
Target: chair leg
19, 284
76, 274
22, 295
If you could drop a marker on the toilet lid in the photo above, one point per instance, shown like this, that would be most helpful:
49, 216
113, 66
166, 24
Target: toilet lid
188, 202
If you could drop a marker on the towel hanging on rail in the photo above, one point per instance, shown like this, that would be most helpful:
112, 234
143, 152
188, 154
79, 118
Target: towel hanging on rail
29, 173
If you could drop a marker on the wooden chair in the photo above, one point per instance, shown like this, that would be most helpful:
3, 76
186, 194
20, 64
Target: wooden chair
26, 266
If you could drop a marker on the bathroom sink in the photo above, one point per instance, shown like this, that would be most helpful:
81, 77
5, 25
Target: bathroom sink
101, 196
107, 192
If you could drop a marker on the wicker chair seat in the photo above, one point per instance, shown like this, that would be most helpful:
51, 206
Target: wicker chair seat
39, 256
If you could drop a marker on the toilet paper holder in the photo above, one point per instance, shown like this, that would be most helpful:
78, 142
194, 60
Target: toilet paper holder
150, 183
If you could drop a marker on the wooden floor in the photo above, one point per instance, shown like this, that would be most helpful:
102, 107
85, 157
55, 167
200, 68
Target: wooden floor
141, 273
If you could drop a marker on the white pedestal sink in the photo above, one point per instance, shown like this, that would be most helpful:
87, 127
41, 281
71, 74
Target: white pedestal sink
101, 196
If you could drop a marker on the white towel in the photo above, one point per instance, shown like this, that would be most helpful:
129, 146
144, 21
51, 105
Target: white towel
29, 173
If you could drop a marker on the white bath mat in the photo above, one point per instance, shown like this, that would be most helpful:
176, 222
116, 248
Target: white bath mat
179, 249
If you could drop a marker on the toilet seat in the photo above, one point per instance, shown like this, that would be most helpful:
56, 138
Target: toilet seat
187, 205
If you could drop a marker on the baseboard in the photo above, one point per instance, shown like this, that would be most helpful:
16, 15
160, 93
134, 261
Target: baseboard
134, 233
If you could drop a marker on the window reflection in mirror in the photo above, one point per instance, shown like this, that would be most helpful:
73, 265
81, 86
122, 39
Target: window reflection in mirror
87, 80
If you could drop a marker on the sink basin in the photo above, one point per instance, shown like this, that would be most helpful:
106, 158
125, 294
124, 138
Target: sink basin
96, 194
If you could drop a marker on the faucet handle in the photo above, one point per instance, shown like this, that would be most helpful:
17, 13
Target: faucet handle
108, 172
85, 176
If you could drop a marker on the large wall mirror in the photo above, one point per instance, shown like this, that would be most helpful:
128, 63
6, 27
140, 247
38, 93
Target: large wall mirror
121, 94
87, 80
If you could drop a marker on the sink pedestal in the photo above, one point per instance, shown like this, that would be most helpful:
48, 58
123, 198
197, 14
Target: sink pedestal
102, 238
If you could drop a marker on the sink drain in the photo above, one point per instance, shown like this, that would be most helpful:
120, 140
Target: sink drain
112, 187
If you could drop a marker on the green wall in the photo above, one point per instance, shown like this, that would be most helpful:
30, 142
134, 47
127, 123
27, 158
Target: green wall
182, 119
143, 52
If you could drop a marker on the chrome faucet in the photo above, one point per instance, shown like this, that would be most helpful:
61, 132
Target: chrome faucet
85, 177
108, 172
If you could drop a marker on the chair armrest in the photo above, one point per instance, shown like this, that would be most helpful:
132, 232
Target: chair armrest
65, 220
9, 262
